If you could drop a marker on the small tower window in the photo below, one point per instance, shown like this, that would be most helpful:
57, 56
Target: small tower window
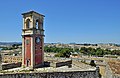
27, 42
28, 23
37, 24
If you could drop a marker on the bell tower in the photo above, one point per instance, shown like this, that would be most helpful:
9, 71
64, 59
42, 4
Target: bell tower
32, 40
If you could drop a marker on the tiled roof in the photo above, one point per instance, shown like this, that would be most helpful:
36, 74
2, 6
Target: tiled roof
32, 12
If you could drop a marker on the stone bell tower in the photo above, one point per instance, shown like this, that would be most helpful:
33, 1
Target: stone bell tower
32, 40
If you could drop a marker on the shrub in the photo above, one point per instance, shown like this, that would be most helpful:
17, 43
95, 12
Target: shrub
92, 63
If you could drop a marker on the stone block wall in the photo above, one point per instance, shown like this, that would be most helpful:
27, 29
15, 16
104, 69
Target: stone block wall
11, 65
75, 74
108, 72
58, 64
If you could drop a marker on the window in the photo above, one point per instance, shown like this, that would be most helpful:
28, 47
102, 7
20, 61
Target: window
27, 41
37, 24
28, 23
40, 47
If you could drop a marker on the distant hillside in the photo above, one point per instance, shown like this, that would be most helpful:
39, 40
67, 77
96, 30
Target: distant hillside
9, 43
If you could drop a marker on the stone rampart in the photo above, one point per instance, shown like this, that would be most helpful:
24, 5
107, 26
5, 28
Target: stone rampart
74, 74
11, 65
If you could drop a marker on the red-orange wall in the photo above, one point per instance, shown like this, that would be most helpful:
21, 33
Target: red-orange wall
38, 53
27, 49
38, 50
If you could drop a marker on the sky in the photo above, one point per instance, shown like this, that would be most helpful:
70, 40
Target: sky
66, 21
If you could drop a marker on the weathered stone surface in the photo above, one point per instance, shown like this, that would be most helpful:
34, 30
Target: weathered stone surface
11, 65
75, 74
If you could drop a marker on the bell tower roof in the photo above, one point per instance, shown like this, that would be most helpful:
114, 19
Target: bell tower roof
32, 12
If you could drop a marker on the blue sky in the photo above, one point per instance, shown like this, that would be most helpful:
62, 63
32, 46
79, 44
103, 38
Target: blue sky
80, 21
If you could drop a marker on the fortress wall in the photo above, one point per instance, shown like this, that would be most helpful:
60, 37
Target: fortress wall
11, 65
75, 74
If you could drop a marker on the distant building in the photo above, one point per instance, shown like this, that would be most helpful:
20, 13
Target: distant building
111, 56
75, 55
11, 59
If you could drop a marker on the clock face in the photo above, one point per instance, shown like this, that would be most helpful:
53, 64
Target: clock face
37, 40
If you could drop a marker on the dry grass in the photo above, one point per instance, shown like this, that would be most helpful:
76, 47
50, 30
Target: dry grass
115, 66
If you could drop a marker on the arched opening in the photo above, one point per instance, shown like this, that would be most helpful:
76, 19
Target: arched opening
37, 24
28, 62
28, 23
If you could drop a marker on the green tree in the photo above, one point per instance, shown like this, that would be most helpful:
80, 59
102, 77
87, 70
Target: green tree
83, 50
